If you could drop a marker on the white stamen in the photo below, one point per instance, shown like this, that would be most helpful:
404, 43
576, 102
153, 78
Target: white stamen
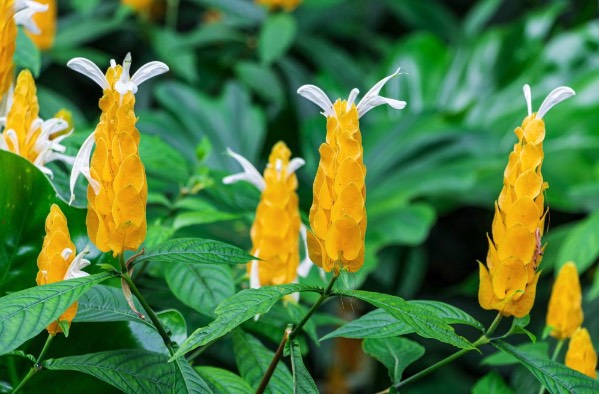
279, 165
250, 173
66, 253
306, 265
254, 275
112, 63
527, 97
318, 97
81, 165
90, 70
556, 96
78, 263
294, 165
372, 98
352, 98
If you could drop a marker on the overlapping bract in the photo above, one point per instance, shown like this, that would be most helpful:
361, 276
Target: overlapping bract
46, 22
338, 214
8, 38
276, 229
58, 261
564, 314
116, 215
581, 355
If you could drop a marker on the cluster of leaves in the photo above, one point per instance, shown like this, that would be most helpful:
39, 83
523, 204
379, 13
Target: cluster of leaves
233, 85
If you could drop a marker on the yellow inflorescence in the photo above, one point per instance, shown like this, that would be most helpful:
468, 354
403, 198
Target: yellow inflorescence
581, 355
508, 283
287, 5
8, 38
116, 216
564, 314
138, 5
276, 229
338, 213
46, 21
23, 112
51, 261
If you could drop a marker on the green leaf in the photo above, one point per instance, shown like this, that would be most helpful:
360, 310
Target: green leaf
449, 313
174, 323
557, 378
253, 359
375, 324
195, 251
222, 381
491, 383
302, 381
21, 353
237, 309
132, 371
202, 287
26, 313
262, 80
581, 244
104, 303
421, 320
519, 327
163, 161
188, 381
540, 349
186, 219
395, 353
26, 54
277, 35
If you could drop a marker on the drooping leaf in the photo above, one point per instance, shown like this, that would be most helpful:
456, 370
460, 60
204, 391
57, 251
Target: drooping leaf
253, 360
222, 381
302, 380
237, 309
195, 251
422, 321
188, 381
581, 244
26, 313
491, 383
556, 377
200, 286
276, 36
375, 324
449, 313
395, 353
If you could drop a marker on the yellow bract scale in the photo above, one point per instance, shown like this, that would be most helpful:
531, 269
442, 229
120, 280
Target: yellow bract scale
581, 355
287, 5
116, 216
338, 213
8, 38
46, 21
23, 112
51, 262
276, 229
508, 283
564, 314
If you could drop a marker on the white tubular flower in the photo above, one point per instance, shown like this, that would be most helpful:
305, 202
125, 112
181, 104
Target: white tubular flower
81, 166
371, 100
306, 264
78, 263
250, 173
556, 96
24, 11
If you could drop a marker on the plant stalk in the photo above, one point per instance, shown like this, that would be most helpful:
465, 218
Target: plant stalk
275, 361
554, 356
37, 366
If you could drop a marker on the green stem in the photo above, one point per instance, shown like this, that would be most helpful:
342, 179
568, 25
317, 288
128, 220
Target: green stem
291, 334
157, 323
37, 366
554, 356
484, 339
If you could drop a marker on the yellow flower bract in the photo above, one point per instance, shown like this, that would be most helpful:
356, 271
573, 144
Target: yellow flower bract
8, 38
46, 21
508, 282
564, 314
287, 5
276, 229
116, 216
338, 213
51, 262
138, 5
581, 355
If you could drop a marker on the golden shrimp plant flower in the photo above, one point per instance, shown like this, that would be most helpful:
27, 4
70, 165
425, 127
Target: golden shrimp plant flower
46, 22
277, 227
13, 13
338, 213
508, 282
117, 191
581, 355
29, 136
564, 314
59, 261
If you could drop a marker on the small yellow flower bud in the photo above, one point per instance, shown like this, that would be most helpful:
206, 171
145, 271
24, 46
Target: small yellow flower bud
581, 355
564, 314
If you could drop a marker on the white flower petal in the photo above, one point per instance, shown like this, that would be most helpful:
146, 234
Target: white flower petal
24, 11
78, 263
90, 70
81, 165
147, 71
555, 97
306, 265
250, 173
254, 275
318, 97
3, 144
352, 98
66, 253
14, 139
36, 124
372, 98
46, 170
294, 165
528, 98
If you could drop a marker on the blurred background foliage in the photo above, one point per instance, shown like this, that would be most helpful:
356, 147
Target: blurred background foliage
434, 168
